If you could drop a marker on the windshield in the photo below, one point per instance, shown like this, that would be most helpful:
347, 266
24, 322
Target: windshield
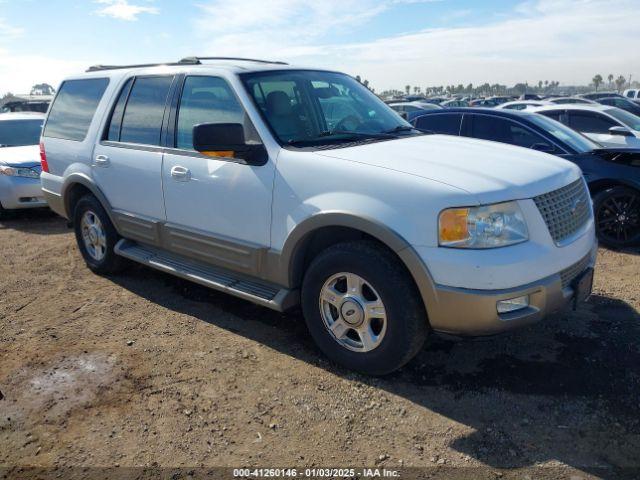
15, 133
308, 108
629, 119
575, 140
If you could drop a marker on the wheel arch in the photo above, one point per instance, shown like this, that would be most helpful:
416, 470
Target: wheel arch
602, 184
323, 230
75, 187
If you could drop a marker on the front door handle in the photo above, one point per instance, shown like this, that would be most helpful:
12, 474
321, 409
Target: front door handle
102, 161
181, 174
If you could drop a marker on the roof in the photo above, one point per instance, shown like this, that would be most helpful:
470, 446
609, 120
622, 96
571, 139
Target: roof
487, 111
21, 116
573, 106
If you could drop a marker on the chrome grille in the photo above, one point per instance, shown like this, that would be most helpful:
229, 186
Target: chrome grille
570, 273
565, 210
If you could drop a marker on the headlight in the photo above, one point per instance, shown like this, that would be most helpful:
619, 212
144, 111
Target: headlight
19, 172
487, 226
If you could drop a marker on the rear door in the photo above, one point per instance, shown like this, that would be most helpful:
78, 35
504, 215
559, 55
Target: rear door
127, 163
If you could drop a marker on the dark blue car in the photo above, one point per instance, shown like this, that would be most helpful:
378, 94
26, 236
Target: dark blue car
613, 174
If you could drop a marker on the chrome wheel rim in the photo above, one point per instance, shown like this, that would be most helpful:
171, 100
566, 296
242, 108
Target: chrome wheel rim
93, 235
353, 312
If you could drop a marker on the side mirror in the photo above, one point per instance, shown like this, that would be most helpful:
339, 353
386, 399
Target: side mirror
620, 131
543, 147
227, 140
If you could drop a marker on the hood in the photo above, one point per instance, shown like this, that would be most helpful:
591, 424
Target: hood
493, 172
28, 156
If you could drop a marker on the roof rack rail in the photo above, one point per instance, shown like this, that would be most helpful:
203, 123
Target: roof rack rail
97, 68
184, 61
197, 60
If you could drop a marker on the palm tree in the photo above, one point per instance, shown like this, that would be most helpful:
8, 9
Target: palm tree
620, 81
610, 78
540, 85
407, 88
597, 81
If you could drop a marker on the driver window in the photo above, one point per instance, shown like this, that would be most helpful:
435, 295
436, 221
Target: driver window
209, 100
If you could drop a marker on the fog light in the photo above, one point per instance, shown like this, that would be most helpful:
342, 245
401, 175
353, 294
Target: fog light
513, 304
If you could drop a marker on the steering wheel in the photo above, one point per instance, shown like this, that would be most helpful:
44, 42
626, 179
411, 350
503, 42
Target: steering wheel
349, 123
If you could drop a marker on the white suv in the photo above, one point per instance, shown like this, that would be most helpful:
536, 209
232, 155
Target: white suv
288, 186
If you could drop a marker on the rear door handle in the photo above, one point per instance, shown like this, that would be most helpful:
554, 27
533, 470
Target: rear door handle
181, 174
102, 161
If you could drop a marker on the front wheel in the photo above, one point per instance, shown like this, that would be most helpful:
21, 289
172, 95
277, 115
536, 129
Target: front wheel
617, 216
363, 309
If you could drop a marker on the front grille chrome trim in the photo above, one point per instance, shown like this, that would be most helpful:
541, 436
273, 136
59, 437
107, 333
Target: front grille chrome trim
566, 211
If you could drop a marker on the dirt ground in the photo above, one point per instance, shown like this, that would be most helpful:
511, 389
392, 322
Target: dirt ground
142, 369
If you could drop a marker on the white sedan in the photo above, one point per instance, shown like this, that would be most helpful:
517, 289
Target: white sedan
522, 104
20, 161
608, 126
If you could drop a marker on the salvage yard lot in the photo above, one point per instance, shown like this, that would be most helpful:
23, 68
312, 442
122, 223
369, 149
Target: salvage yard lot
144, 369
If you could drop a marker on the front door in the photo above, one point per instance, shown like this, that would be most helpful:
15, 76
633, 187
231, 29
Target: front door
218, 209
596, 126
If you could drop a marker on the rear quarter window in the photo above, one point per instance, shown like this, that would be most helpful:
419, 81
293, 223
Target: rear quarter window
74, 107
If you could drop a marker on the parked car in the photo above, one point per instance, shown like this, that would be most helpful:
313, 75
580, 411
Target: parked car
410, 110
25, 103
622, 103
529, 96
572, 100
522, 104
632, 93
483, 103
20, 162
598, 95
454, 104
606, 125
381, 233
613, 174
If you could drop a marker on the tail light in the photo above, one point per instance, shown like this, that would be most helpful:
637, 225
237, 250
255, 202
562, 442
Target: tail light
43, 158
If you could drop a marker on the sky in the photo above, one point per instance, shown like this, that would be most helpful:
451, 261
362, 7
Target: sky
392, 43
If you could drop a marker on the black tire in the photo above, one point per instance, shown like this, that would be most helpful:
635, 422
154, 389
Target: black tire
110, 262
406, 320
617, 217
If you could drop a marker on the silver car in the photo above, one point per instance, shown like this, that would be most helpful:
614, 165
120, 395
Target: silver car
20, 161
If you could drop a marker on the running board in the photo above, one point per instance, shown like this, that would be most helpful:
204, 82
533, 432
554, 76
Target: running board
261, 293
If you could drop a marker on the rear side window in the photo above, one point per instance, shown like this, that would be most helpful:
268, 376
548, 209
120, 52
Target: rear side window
74, 107
118, 111
446, 123
555, 115
144, 112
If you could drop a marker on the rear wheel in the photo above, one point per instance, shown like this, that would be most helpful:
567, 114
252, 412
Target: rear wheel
363, 309
96, 236
617, 215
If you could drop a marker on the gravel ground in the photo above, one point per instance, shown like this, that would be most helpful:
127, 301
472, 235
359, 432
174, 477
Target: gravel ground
142, 369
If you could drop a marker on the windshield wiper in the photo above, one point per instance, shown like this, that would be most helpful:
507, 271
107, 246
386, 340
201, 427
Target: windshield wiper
330, 133
406, 128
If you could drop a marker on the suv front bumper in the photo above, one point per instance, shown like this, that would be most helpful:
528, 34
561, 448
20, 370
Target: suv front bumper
471, 312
